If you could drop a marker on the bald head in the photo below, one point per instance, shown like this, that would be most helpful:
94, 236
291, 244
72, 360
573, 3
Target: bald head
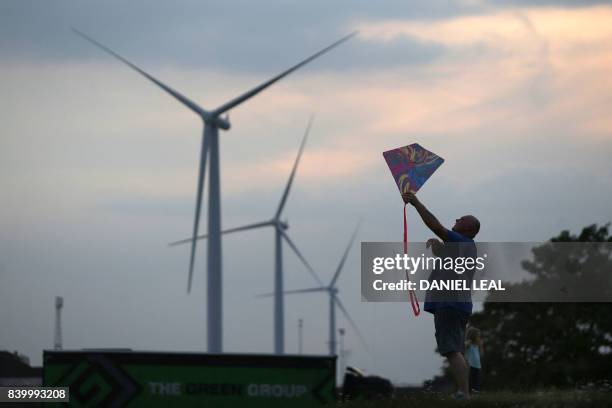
467, 225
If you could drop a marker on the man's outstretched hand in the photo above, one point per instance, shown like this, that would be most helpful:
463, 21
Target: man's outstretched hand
410, 198
436, 246
428, 218
433, 242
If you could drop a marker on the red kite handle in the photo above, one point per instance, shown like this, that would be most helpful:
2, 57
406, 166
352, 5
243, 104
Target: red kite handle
414, 302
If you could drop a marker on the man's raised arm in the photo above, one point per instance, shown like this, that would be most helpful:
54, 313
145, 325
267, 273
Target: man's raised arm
428, 218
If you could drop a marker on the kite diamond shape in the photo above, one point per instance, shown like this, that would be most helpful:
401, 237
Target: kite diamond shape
411, 166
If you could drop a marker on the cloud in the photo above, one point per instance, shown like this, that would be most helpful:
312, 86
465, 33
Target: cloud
509, 30
234, 36
539, 54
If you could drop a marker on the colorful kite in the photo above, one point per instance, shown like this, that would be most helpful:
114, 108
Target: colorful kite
411, 166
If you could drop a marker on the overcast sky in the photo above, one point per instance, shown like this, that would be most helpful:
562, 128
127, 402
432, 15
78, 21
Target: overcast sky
98, 167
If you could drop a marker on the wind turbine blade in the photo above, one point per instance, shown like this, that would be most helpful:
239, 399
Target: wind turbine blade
290, 292
350, 320
227, 231
299, 254
196, 220
181, 98
343, 260
236, 101
295, 165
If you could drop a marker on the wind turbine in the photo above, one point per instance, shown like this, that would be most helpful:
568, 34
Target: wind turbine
210, 147
334, 300
280, 233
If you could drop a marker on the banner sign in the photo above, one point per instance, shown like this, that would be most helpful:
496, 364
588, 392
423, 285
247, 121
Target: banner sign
149, 379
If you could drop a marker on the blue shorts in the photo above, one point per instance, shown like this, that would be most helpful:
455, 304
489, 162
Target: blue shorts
450, 326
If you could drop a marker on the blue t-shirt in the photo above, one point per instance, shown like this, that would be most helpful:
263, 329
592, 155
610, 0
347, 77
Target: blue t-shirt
468, 250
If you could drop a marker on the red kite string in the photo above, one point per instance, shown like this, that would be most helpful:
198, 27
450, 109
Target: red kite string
414, 302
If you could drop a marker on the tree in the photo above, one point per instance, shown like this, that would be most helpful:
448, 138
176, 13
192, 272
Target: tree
533, 345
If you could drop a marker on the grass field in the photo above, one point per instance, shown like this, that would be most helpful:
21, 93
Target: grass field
541, 399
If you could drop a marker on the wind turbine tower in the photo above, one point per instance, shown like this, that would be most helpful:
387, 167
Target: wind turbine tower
212, 121
59, 304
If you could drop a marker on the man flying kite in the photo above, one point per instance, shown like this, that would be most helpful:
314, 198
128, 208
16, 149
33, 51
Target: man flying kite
450, 317
411, 166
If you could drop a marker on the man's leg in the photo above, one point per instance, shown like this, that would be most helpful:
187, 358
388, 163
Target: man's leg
460, 371
450, 337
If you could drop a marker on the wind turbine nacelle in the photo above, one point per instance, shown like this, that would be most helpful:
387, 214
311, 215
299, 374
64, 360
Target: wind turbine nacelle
221, 123
59, 301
